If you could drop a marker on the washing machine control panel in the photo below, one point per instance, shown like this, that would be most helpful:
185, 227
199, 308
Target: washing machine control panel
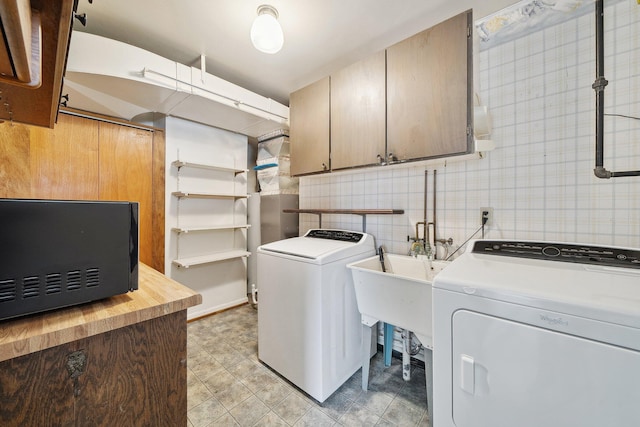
564, 252
341, 235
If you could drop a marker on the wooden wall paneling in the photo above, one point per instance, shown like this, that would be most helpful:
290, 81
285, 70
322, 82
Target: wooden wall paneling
15, 170
64, 161
125, 164
158, 200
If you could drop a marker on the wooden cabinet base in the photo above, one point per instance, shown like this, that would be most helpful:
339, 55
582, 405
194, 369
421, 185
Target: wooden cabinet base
135, 375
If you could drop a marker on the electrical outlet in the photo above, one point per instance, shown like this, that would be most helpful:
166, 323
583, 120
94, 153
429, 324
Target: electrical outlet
488, 214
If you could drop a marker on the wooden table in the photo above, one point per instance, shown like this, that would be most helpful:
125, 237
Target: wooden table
118, 361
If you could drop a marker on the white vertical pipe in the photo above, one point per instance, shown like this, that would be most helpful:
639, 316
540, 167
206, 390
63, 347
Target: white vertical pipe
406, 358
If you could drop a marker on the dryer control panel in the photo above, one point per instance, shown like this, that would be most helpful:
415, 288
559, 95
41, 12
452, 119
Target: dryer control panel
563, 252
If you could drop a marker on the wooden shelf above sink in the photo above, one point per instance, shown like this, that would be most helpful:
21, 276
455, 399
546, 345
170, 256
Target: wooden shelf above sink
361, 212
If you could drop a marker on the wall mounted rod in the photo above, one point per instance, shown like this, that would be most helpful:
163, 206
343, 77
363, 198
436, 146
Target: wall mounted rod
235, 102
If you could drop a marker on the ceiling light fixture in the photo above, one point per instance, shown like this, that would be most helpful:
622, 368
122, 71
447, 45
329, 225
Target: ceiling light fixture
266, 33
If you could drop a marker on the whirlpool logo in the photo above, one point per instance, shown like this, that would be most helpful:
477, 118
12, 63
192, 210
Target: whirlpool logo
554, 321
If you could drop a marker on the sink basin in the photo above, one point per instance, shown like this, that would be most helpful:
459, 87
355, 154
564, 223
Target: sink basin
400, 296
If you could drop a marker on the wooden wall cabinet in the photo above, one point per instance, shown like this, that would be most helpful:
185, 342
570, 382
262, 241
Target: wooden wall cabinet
358, 113
309, 133
412, 102
36, 102
430, 92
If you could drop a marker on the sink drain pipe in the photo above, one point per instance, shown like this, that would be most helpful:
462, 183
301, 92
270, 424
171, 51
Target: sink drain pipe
599, 86
408, 350
254, 295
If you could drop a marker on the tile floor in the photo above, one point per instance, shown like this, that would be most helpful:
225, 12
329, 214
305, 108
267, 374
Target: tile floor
229, 386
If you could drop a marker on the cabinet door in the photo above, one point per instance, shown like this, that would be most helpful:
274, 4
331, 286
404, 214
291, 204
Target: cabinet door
134, 375
358, 113
429, 92
309, 139
39, 105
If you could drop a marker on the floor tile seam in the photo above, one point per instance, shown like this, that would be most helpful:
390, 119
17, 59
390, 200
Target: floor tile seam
351, 403
263, 415
279, 401
346, 413
226, 386
306, 411
205, 401
425, 415
404, 401
258, 423
422, 411
217, 371
250, 389
236, 403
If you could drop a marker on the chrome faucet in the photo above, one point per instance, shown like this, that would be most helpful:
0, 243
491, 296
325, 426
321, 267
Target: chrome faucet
421, 246
417, 248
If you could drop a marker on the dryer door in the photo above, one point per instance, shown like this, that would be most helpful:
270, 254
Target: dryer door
509, 374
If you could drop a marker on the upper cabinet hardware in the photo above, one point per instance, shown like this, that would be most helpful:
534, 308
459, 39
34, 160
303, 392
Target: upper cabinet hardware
82, 17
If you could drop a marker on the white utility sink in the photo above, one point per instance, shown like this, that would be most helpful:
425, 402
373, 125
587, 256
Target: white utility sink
401, 296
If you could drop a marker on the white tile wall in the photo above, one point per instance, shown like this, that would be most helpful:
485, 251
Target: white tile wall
539, 179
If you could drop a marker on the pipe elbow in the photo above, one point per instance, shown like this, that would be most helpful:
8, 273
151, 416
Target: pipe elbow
601, 172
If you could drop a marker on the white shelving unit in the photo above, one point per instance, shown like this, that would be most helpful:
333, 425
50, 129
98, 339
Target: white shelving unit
180, 163
232, 197
208, 195
206, 201
214, 227
205, 259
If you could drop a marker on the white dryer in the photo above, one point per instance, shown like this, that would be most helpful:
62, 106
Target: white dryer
533, 334
309, 328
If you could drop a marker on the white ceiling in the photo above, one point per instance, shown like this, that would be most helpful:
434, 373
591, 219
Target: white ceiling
321, 36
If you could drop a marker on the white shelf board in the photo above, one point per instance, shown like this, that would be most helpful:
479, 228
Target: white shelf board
209, 228
180, 163
206, 259
186, 194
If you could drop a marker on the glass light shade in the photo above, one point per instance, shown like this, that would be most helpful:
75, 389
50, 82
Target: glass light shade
266, 33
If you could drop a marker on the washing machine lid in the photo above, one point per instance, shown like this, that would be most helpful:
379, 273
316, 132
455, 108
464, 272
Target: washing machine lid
322, 246
595, 282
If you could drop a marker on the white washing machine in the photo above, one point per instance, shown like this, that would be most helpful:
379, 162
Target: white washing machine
309, 327
534, 334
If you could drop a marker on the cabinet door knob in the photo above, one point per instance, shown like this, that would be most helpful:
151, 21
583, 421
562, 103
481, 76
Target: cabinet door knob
324, 167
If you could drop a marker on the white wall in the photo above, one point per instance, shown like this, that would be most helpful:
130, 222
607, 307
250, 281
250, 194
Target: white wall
222, 284
539, 179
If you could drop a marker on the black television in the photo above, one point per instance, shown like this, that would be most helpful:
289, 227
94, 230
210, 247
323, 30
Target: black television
59, 253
